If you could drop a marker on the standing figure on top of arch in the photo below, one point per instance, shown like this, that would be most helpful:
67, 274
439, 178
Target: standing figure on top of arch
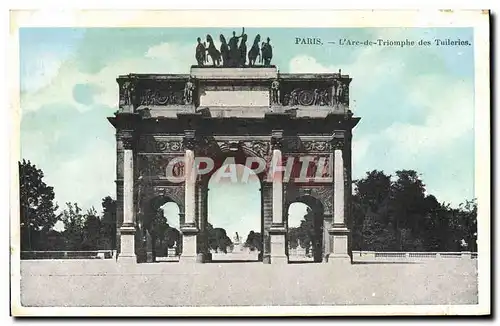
200, 53
243, 51
254, 52
188, 92
234, 52
224, 51
341, 92
267, 52
212, 51
275, 92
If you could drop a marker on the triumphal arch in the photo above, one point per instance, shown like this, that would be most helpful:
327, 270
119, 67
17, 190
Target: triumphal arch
173, 130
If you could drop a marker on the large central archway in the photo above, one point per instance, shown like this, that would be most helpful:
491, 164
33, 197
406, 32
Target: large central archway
234, 213
233, 226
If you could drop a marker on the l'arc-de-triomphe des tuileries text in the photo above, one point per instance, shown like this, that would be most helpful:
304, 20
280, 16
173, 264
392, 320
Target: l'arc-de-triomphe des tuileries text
228, 108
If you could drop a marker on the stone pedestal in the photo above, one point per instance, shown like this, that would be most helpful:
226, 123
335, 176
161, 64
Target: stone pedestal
339, 245
189, 234
127, 239
278, 244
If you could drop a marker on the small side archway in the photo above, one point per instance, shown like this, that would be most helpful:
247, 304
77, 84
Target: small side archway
310, 231
160, 219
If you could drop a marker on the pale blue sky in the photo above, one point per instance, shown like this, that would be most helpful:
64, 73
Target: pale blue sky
416, 105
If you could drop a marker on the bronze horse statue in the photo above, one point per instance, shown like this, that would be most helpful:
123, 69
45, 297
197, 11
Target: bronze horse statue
254, 52
213, 52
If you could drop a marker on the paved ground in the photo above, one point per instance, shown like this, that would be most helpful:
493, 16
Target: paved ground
108, 283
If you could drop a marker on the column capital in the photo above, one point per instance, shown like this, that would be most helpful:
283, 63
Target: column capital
277, 139
128, 143
338, 139
189, 139
126, 137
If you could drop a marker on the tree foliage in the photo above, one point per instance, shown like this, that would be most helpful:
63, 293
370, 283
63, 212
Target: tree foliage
389, 213
218, 239
253, 241
37, 208
396, 214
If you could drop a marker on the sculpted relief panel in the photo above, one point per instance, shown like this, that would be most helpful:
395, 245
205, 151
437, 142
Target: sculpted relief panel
155, 166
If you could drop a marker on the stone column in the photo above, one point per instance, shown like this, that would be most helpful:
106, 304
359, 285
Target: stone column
189, 229
203, 250
127, 229
278, 228
266, 213
339, 232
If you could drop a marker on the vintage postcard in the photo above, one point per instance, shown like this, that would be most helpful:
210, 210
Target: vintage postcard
235, 163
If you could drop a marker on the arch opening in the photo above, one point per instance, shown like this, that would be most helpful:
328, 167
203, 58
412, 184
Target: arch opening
234, 217
306, 232
161, 234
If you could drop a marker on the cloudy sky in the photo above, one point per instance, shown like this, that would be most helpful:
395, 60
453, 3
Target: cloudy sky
416, 105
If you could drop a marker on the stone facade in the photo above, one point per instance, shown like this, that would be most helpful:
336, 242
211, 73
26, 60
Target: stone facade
170, 120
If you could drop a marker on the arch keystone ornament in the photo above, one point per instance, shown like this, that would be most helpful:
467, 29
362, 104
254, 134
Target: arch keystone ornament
233, 110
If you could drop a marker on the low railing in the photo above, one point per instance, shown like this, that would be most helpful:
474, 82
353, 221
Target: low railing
92, 254
415, 255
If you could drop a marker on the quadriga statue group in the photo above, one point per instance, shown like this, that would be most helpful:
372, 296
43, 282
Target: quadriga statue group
234, 52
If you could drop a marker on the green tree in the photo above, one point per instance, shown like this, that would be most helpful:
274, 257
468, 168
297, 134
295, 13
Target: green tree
254, 241
91, 231
74, 223
37, 208
108, 223
407, 208
293, 237
371, 198
376, 235
218, 239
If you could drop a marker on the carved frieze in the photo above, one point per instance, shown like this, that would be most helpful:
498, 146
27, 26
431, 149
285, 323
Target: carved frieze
260, 148
331, 95
317, 146
166, 95
150, 144
155, 166
296, 145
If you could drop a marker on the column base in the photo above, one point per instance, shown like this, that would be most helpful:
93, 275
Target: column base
339, 259
127, 241
339, 244
278, 245
279, 260
189, 244
184, 259
127, 259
